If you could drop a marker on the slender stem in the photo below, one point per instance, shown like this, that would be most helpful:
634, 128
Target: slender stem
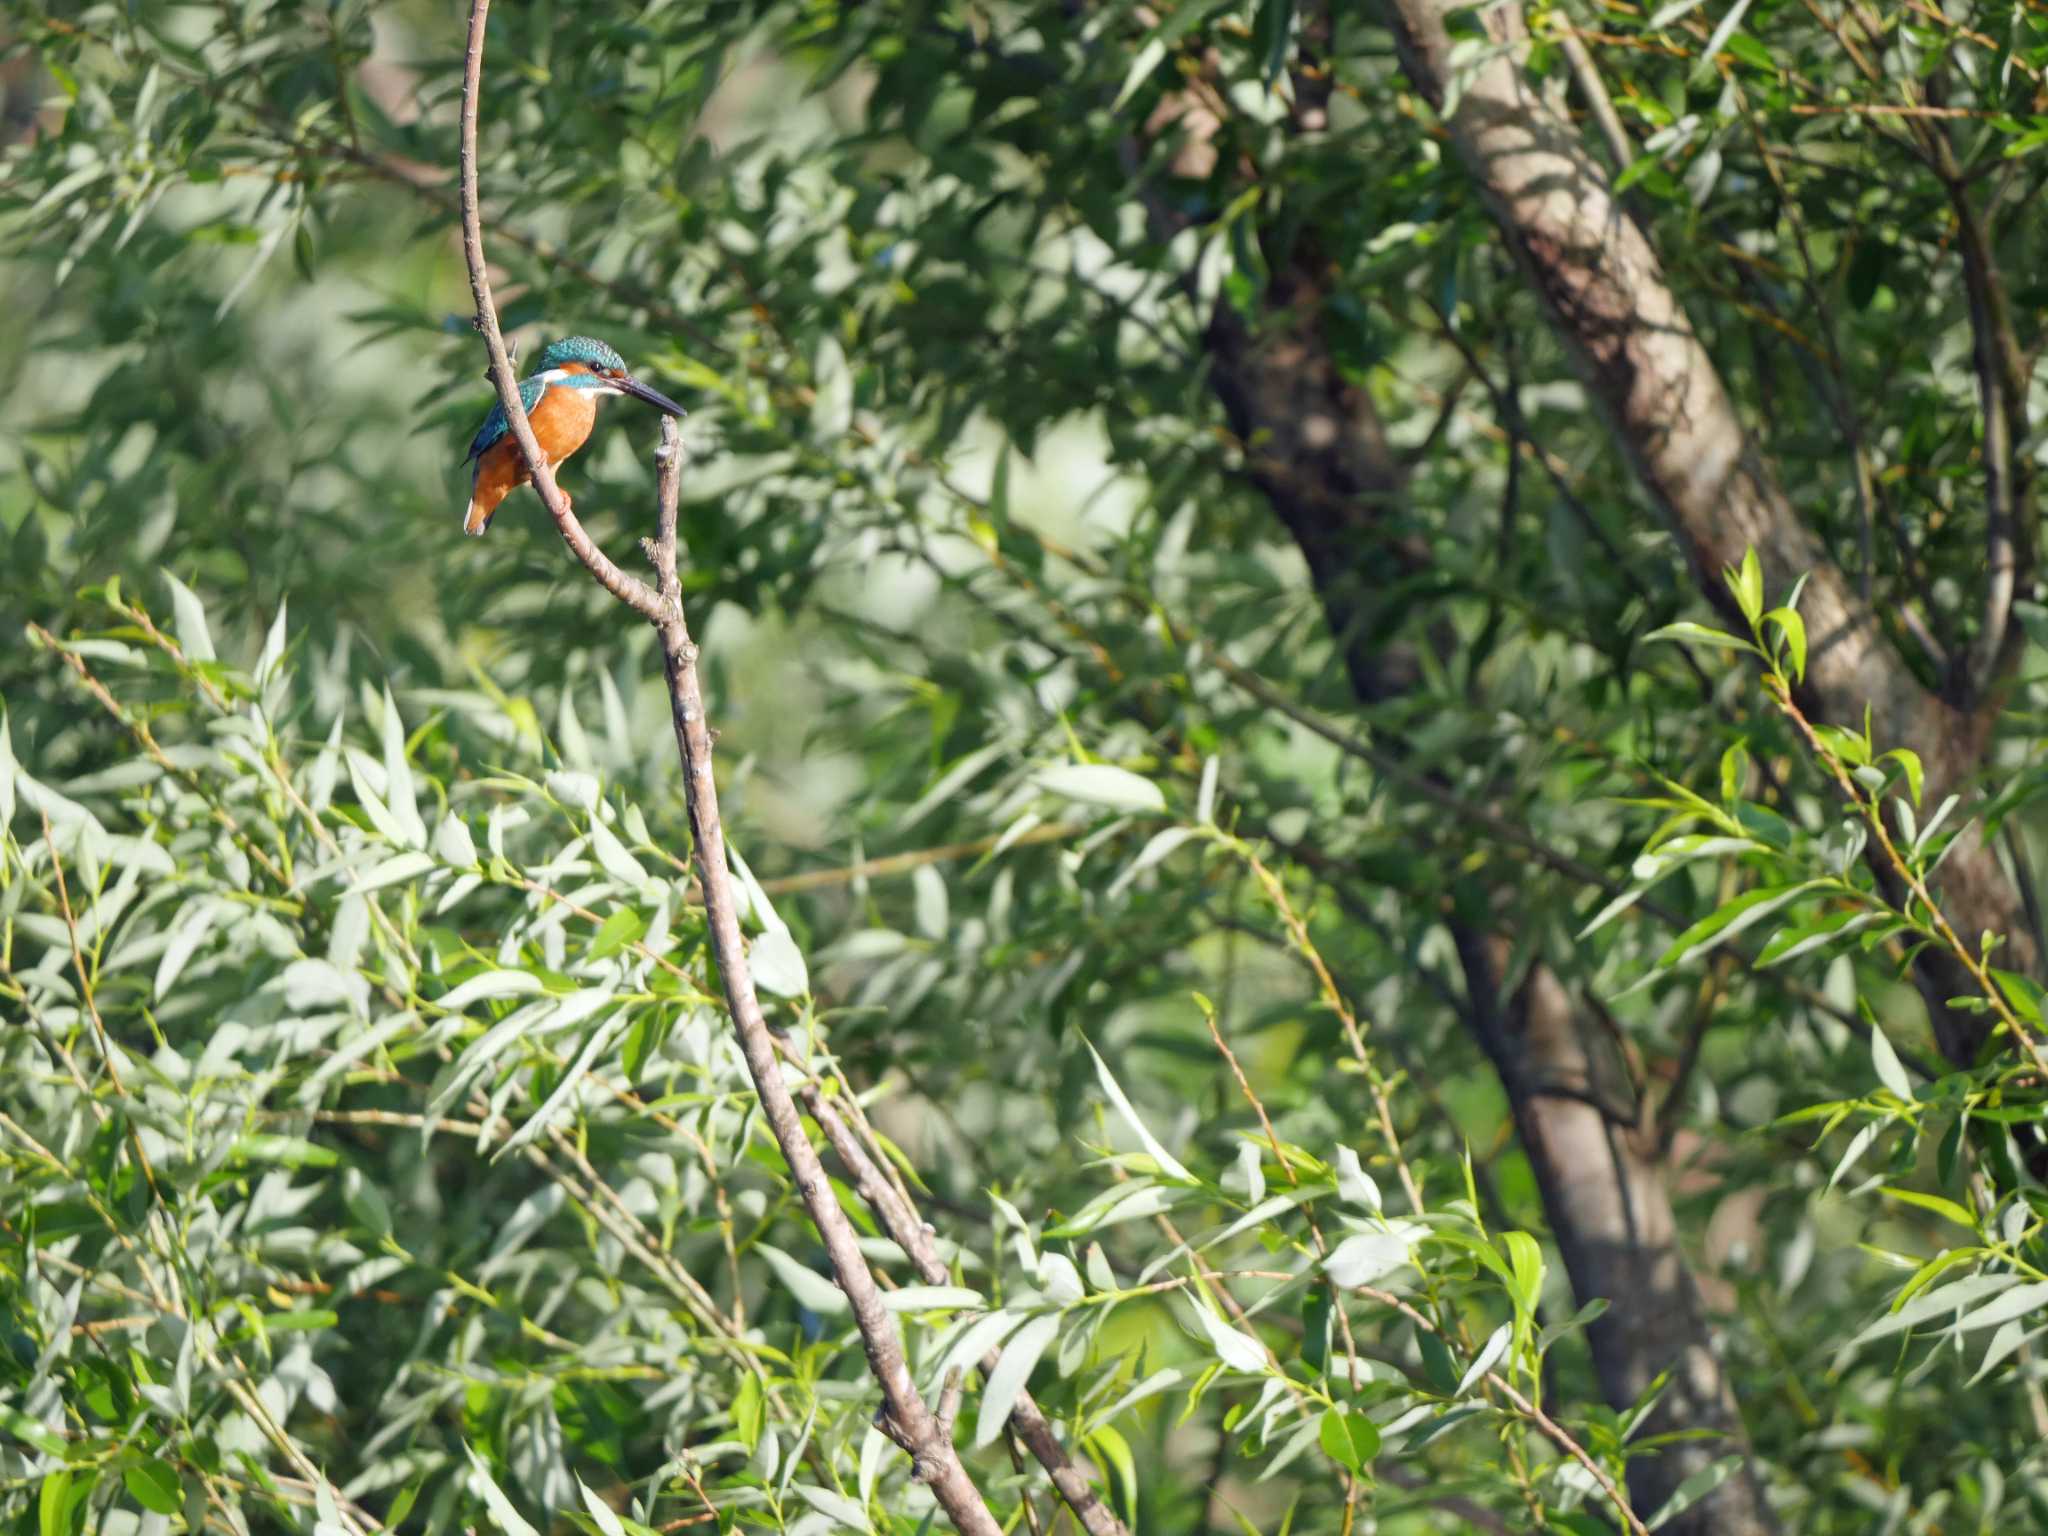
1556, 1433
905, 1417
1872, 812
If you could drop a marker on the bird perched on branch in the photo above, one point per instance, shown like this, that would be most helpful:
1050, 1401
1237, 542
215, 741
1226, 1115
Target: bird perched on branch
560, 397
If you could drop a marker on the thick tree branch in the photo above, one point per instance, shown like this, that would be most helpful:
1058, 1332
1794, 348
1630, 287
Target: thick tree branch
1634, 345
905, 1417
1333, 479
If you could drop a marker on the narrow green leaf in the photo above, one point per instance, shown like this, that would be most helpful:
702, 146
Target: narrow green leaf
1013, 1370
1935, 1203
1102, 784
1746, 581
1169, 1165
748, 1411
1723, 924
1699, 634
1792, 633
1525, 1258
1109, 1446
1719, 38
812, 1290
188, 619
1890, 1070
507, 1518
1909, 760
1693, 1489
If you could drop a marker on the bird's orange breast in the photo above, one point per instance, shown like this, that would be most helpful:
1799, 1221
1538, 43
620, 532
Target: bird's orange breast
562, 421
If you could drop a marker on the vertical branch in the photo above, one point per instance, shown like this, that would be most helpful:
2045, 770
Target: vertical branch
904, 1418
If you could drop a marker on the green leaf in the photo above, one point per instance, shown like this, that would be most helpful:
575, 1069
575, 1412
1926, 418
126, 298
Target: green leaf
1909, 760
778, 964
1102, 784
1234, 1349
1637, 170
1746, 582
623, 927
1948, 1299
1693, 1489
1349, 1439
1801, 938
506, 1518
1725, 922
1753, 53
1489, 1356
1437, 1364
189, 620
1148, 58
1718, 39
22, 1427
1108, 1446
1935, 1203
2020, 1301
1791, 630
1699, 634
1890, 1070
1525, 1258
60, 1507
1272, 32
154, 1485
812, 1290
748, 1410
1677, 10
1169, 1165
399, 796
602, 1515
1021, 1352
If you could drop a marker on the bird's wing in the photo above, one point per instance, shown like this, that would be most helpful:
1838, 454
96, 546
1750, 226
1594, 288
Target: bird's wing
495, 426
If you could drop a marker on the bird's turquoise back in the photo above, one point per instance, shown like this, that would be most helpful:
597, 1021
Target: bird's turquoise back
495, 426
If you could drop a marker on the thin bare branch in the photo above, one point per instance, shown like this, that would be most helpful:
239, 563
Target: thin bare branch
905, 1418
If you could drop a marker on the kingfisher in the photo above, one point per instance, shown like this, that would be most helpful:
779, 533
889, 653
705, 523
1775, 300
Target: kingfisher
560, 397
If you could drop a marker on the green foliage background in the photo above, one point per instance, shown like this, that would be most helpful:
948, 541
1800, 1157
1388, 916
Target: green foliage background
374, 1148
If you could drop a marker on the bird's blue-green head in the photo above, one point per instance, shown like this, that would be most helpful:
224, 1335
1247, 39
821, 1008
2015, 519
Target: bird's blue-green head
597, 356
584, 362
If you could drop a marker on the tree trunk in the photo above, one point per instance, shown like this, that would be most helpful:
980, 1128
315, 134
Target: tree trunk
1635, 347
1324, 464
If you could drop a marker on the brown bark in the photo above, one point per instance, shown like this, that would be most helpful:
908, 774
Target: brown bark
1634, 345
1604, 1188
1322, 459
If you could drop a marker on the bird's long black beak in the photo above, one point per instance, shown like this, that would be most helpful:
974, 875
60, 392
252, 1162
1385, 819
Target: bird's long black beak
653, 397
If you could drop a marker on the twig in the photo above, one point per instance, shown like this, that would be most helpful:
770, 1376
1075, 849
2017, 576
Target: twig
904, 1418
1870, 809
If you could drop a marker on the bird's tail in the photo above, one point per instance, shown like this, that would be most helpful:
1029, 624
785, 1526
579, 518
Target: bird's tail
486, 490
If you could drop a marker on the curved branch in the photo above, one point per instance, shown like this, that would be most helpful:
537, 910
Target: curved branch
905, 1418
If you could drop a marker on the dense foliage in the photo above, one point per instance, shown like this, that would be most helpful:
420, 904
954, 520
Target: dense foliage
1225, 753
